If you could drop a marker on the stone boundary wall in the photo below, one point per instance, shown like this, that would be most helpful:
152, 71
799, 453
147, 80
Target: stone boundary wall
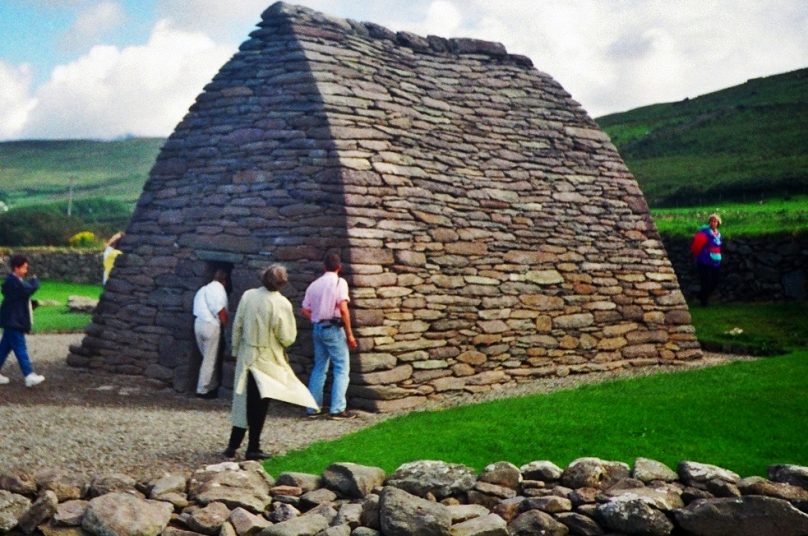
766, 268
589, 497
59, 264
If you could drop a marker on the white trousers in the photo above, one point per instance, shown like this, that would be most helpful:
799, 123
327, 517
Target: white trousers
207, 340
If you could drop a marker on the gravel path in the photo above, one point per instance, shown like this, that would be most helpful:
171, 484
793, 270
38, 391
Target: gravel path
88, 422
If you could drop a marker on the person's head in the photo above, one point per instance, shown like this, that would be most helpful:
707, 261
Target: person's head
714, 220
115, 240
19, 264
220, 275
332, 261
275, 277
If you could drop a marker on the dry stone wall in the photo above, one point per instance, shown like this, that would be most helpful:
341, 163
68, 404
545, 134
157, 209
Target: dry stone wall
75, 266
491, 232
589, 497
767, 268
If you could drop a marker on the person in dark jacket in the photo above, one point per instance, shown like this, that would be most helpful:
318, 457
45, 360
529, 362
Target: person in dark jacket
16, 318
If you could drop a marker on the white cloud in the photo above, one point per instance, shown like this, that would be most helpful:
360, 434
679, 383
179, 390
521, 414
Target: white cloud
218, 19
92, 23
141, 90
16, 101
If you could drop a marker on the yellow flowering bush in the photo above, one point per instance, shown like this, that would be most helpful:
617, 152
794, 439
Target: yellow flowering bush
83, 239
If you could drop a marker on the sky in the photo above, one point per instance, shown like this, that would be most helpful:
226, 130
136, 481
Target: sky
104, 69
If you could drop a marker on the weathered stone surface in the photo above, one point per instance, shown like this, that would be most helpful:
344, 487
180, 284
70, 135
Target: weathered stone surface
490, 525
19, 483
647, 470
744, 516
12, 508
209, 519
633, 516
403, 514
535, 522
580, 525
701, 473
593, 473
69, 513
234, 488
352, 480
309, 524
503, 474
40, 511
438, 478
790, 474
167, 484
111, 483
543, 470
122, 514
755, 485
304, 481
245, 523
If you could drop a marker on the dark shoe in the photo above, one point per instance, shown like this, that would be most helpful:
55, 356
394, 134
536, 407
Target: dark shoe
315, 415
209, 395
229, 453
256, 455
343, 415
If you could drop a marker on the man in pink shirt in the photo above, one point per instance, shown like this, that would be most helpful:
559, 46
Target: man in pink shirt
326, 306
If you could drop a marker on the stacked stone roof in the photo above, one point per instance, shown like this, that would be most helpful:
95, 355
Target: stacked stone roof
492, 234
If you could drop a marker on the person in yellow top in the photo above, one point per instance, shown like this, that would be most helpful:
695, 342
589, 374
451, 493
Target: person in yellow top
111, 253
264, 326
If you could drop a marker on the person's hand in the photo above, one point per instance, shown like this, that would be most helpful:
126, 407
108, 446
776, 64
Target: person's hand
352, 344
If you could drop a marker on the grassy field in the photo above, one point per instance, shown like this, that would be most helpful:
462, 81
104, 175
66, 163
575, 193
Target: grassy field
751, 219
56, 317
745, 143
714, 415
36, 172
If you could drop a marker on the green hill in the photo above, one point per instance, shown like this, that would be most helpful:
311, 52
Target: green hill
744, 143
39, 172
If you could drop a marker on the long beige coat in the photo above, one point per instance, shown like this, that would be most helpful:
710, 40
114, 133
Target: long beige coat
264, 326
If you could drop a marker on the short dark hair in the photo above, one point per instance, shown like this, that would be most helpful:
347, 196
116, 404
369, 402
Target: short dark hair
332, 261
275, 277
17, 260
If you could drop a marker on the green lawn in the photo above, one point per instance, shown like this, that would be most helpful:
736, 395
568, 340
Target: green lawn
752, 328
775, 216
58, 318
742, 416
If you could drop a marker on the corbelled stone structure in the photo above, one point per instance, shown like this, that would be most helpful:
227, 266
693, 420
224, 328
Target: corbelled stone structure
492, 232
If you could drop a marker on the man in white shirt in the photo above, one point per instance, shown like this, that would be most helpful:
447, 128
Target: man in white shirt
326, 305
210, 310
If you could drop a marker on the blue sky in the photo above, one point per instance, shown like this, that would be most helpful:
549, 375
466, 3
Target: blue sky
109, 68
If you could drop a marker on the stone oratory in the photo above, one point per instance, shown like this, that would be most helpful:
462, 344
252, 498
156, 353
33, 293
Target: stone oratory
491, 232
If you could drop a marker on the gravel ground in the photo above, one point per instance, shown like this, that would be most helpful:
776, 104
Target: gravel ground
89, 422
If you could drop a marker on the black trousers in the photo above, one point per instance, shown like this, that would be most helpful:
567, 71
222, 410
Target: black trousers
708, 278
256, 416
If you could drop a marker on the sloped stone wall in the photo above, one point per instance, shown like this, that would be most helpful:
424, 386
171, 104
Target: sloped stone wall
491, 232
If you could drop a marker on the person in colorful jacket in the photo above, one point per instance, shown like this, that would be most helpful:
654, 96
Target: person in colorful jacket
706, 249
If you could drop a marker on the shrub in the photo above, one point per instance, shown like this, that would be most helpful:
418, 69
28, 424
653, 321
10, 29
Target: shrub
83, 239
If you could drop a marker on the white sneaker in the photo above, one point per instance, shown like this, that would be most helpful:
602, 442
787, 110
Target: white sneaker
4, 379
33, 379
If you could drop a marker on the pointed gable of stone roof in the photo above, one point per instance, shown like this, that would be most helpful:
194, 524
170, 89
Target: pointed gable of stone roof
492, 234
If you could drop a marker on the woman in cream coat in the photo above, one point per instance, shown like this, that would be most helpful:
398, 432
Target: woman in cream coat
264, 326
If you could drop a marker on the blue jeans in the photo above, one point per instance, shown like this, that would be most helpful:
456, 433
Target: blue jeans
14, 339
330, 347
